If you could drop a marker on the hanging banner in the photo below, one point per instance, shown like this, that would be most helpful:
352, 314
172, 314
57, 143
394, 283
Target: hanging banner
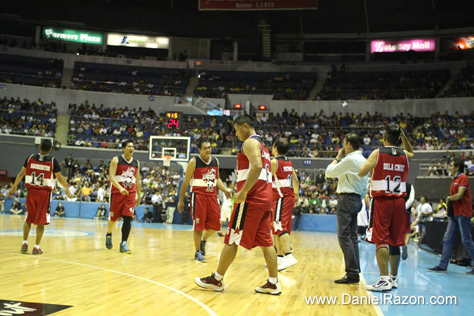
252, 5
456, 43
391, 46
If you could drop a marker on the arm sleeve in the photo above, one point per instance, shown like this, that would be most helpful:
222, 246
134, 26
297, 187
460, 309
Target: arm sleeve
56, 167
464, 182
411, 198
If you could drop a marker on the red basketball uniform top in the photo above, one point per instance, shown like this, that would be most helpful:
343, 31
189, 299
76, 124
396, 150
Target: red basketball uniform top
283, 178
390, 173
205, 175
261, 192
40, 170
125, 174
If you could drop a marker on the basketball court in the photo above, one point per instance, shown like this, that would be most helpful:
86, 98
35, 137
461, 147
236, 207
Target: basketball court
77, 272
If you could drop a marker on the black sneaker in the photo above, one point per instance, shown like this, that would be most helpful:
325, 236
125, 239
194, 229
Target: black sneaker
437, 269
203, 247
108, 242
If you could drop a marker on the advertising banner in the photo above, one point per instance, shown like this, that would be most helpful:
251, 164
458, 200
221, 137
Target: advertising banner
390, 46
76, 36
252, 5
130, 40
456, 43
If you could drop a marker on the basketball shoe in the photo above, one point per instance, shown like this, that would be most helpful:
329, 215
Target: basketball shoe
24, 248
383, 285
198, 257
108, 242
124, 248
287, 262
36, 251
269, 288
211, 283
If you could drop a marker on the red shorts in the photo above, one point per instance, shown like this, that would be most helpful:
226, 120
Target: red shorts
282, 214
249, 226
388, 222
38, 206
121, 205
205, 212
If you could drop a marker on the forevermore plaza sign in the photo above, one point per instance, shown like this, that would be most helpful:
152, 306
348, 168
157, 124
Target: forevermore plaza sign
75, 36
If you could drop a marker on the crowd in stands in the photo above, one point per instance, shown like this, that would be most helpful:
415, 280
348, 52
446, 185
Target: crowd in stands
317, 194
382, 85
441, 167
317, 135
23, 117
123, 79
289, 86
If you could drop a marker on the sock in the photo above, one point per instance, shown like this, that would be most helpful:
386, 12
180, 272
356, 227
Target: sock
385, 277
37, 246
218, 277
394, 277
108, 234
25, 242
281, 256
287, 254
124, 242
273, 280
126, 227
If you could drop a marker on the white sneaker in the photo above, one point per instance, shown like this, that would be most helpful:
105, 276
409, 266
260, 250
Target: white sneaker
383, 285
287, 262
394, 281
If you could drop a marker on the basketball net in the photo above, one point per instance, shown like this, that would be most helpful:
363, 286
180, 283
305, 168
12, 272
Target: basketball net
166, 161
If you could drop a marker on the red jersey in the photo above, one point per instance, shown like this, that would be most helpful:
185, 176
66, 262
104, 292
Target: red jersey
283, 178
390, 173
205, 176
261, 192
125, 174
40, 170
463, 206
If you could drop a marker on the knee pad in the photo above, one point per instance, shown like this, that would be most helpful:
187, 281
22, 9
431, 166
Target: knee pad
381, 246
393, 251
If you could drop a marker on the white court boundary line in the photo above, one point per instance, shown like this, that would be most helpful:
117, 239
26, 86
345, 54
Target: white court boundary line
204, 306
378, 311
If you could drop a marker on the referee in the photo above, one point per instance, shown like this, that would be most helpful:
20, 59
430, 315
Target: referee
351, 190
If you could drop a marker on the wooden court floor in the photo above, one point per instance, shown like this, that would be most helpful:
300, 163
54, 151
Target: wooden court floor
158, 278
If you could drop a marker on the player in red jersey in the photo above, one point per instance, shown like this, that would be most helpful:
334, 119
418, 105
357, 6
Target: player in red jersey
249, 225
124, 175
203, 174
388, 189
41, 170
285, 195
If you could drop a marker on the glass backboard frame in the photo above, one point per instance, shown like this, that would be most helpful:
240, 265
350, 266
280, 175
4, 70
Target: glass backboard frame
157, 155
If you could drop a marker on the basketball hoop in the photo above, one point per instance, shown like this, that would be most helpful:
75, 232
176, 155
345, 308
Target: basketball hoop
166, 160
